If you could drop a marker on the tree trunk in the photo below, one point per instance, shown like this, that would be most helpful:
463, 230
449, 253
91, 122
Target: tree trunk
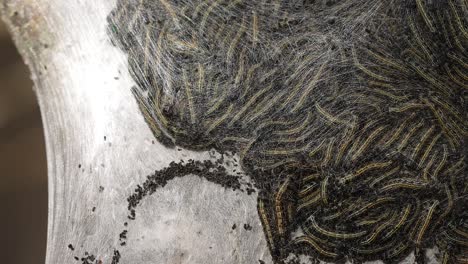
99, 149
106, 167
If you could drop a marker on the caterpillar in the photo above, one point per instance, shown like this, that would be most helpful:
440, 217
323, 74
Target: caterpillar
349, 116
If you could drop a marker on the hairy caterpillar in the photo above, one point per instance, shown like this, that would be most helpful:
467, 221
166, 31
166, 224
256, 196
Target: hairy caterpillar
350, 116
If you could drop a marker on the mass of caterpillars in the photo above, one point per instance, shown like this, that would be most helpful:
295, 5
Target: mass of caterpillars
350, 116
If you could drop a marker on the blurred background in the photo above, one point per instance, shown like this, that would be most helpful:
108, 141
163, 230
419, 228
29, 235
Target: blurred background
23, 169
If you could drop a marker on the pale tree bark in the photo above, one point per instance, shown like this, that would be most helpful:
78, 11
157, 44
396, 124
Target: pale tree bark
99, 149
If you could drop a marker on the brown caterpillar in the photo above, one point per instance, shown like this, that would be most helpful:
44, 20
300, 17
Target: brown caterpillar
350, 116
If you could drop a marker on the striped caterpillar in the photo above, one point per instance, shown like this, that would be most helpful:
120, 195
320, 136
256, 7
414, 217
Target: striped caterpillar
349, 116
